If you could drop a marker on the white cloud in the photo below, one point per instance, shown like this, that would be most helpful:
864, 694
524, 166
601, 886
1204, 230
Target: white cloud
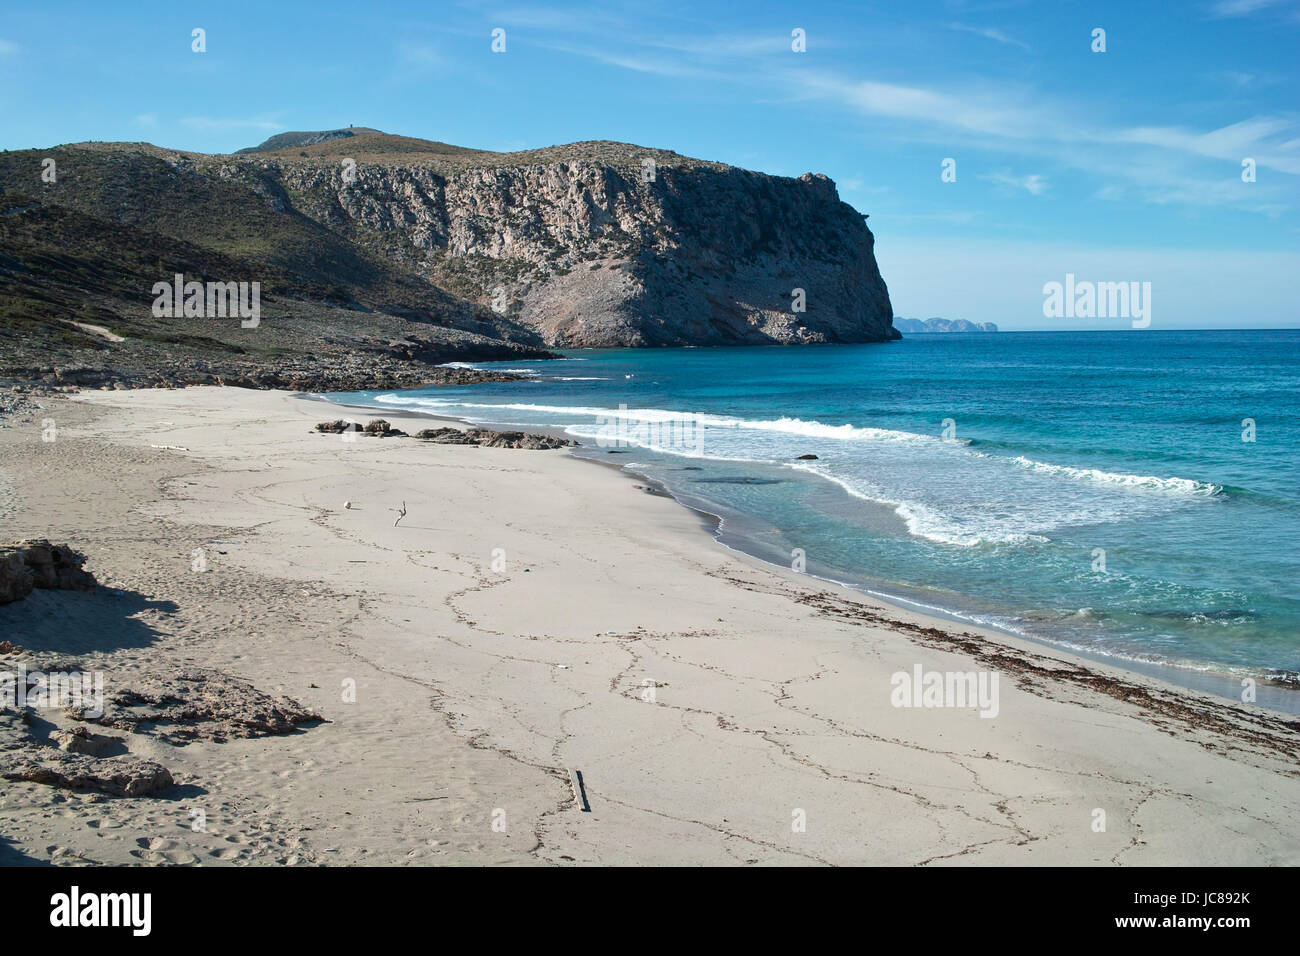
975, 112
214, 125
989, 34
1034, 183
1255, 137
1240, 8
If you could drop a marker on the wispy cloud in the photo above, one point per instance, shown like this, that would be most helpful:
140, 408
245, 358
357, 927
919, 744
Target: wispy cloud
420, 56
7, 47
209, 124
1034, 183
1240, 8
1269, 140
989, 33
976, 112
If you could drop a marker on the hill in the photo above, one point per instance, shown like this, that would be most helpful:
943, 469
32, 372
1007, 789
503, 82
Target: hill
379, 256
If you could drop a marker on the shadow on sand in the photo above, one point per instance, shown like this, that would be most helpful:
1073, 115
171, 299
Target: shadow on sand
80, 622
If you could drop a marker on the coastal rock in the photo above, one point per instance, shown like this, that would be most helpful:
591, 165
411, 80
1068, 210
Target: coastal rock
338, 426
376, 428
16, 581
379, 428
490, 439
806, 458
79, 740
195, 704
39, 564
119, 776
70, 762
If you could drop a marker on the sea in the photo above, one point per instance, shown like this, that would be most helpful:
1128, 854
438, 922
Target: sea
1133, 496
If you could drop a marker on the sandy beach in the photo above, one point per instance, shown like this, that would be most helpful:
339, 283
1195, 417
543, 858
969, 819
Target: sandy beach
533, 616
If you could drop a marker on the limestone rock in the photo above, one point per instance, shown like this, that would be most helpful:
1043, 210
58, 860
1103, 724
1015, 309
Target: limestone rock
39, 564
490, 439
79, 740
194, 704
120, 776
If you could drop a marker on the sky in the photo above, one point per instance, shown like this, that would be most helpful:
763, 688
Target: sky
1122, 165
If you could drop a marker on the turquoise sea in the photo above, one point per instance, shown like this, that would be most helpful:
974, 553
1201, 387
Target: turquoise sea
1100, 491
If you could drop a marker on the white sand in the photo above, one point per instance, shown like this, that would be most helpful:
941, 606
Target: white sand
478, 691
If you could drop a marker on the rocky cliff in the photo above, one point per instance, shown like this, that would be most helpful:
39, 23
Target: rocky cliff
410, 250
609, 252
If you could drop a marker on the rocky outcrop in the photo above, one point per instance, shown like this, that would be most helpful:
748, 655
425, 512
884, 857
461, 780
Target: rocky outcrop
375, 428
119, 776
194, 704
39, 564
491, 439
304, 375
70, 760
593, 254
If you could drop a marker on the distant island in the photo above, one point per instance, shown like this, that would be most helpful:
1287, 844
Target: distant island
942, 325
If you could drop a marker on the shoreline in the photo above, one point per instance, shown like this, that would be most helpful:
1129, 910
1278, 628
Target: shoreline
1280, 696
616, 641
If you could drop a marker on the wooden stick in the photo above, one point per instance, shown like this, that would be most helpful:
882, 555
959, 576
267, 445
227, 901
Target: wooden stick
579, 790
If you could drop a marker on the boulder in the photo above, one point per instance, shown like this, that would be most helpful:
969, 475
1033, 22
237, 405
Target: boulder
39, 564
16, 581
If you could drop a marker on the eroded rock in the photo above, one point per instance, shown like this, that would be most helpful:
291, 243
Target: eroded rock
38, 564
197, 704
490, 439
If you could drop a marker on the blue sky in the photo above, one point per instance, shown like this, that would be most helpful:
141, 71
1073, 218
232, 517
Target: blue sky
1116, 166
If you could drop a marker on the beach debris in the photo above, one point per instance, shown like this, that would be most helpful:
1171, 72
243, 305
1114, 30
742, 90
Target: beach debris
401, 513
347, 506
171, 447
36, 563
579, 790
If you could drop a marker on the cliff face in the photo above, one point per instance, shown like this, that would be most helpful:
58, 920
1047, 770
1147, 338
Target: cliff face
588, 253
